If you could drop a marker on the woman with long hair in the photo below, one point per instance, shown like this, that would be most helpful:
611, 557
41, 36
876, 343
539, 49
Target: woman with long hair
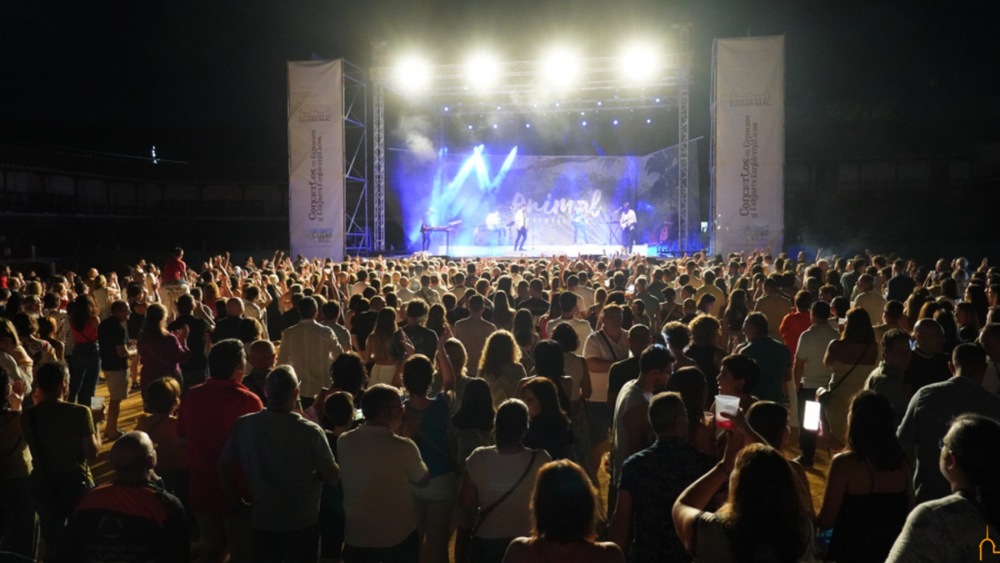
764, 518
549, 428
594, 312
563, 510
953, 529
968, 322
736, 312
868, 494
555, 311
500, 366
526, 337
690, 383
706, 332
160, 421
472, 424
503, 314
436, 320
85, 363
386, 367
39, 350
851, 359
161, 353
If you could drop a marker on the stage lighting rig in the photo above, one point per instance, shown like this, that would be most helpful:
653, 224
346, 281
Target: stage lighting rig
482, 71
413, 74
640, 62
561, 68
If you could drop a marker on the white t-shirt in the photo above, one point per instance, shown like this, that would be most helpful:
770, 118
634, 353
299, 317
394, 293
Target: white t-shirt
580, 327
811, 350
598, 349
377, 468
494, 474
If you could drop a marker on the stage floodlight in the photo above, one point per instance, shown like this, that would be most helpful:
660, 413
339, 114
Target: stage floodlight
527, 125
412, 74
640, 62
583, 123
482, 71
561, 68
615, 122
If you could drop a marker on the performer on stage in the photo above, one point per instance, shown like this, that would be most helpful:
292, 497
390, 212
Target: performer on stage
521, 224
628, 222
425, 229
580, 222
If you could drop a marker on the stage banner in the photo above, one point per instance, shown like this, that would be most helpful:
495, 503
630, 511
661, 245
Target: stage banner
569, 200
749, 136
316, 159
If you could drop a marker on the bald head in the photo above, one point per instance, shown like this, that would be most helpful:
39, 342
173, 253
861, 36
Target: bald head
133, 457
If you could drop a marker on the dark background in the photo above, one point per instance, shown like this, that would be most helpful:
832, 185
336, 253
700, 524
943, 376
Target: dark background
898, 81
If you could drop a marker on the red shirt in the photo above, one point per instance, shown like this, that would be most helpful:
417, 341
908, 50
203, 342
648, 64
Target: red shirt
205, 419
792, 327
174, 270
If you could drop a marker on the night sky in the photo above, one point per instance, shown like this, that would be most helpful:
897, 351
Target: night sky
205, 81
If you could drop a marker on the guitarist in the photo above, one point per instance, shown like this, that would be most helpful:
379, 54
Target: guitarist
628, 222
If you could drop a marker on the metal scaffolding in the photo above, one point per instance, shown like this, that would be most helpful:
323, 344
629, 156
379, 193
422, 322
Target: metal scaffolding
378, 143
683, 166
355, 96
520, 88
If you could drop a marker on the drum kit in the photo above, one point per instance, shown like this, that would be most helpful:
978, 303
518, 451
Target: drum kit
496, 229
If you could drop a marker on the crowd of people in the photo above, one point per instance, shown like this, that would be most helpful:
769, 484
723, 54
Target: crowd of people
424, 408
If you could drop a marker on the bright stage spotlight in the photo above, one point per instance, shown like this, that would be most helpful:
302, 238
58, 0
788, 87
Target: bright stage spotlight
412, 74
561, 67
640, 63
482, 71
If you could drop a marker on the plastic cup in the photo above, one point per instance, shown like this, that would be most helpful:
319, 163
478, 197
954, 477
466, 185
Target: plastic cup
730, 406
96, 403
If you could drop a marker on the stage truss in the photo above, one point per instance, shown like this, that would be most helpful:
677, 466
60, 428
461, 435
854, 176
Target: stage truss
357, 232
600, 87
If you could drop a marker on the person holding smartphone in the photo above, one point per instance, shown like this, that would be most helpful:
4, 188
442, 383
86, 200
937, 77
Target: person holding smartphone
810, 373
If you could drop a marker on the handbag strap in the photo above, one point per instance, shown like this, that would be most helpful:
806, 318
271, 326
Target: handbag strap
846, 375
486, 511
610, 347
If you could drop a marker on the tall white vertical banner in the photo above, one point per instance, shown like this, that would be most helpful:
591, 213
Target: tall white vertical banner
316, 159
749, 135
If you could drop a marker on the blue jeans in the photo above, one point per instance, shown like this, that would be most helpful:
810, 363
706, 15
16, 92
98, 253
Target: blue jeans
84, 370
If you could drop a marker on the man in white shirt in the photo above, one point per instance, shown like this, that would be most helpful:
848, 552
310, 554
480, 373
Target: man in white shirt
378, 470
310, 348
809, 372
568, 304
869, 299
603, 348
521, 224
361, 285
628, 222
581, 289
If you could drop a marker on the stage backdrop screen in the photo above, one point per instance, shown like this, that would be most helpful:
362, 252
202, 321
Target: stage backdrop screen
561, 193
316, 159
749, 138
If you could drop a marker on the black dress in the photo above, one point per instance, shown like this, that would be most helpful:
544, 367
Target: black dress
868, 525
551, 434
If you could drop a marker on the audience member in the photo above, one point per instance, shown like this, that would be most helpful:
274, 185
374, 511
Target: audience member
310, 348
868, 493
934, 406
286, 460
810, 373
498, 481
132, 517
888, 378
772, 357
378, 469
563, 508
851, 358
204, 421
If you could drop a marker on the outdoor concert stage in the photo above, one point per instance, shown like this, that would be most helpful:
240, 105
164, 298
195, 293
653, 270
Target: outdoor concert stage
537, 251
